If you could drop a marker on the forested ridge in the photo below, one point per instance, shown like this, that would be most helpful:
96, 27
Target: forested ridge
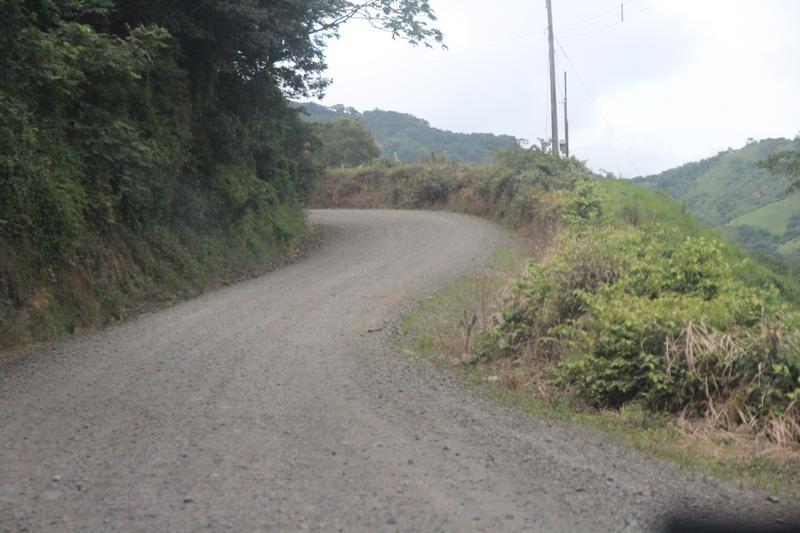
410, 139
148, 145
750, 193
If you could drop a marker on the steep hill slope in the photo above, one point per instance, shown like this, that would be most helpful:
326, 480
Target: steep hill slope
730, 190
410, 139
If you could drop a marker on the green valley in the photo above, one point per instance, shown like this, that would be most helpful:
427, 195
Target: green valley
734, 191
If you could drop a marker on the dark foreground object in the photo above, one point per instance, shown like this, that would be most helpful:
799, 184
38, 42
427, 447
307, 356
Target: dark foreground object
280, 404
690, 524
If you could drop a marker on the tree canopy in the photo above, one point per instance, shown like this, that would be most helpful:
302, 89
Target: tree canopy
786, 162
345, 143
130, 110
282, 38
121, 119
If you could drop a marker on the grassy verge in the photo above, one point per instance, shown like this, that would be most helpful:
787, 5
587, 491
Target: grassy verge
436, 330
140, 273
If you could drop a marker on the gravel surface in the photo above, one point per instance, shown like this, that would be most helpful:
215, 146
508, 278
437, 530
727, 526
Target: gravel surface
280, 404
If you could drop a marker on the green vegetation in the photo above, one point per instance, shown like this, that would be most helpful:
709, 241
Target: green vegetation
726, 186
746, 192
148, 146
507, 190
435, 330
775, 217
655, 315
786, 162
344, 143
635, 317
409, 139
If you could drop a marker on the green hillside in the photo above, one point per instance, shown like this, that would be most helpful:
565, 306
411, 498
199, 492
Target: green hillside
410, 139
774, 217
730, 190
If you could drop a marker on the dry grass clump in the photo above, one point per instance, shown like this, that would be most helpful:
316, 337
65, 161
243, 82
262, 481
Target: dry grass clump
736, 393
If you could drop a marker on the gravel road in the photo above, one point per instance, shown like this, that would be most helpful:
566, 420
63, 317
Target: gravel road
280, 404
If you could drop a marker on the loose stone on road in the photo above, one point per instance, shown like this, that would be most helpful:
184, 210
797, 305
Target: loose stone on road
281, 404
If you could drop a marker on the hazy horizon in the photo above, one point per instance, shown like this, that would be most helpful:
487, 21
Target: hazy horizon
675, 82
534, 141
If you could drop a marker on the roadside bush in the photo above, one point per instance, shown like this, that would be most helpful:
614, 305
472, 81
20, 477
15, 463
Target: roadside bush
430, 189
634, 302
130, 149
651, 315
534, 167
345, 142
509, 189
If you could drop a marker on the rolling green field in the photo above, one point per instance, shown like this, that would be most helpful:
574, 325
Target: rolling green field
733, 192
774, 217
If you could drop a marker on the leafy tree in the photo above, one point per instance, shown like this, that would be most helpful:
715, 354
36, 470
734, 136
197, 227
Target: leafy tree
127, 120
345, 143
786, 162
411, 139
284, 38
136, 111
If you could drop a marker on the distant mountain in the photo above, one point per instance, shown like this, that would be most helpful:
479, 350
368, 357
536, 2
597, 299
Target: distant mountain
752, 205
411, 139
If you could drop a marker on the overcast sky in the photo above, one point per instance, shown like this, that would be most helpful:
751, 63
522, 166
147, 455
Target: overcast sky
678, 80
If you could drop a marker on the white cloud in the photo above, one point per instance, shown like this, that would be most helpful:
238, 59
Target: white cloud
679, 80
741, 82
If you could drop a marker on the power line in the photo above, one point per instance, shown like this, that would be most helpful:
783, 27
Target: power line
449, 55
628, 15
590, 32
599, 109
599, 19
613, 20
602, 18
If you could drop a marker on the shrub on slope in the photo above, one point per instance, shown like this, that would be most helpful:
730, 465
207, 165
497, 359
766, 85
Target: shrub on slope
670, 316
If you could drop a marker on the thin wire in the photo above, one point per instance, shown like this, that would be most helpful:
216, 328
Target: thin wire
602, 18
599, 109
600, 29
592, 32
450, 55
644, 9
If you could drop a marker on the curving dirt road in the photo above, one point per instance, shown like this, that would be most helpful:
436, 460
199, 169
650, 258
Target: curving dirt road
276, 405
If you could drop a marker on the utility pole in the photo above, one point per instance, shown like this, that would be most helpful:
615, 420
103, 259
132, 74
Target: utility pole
566, 121
553, 104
